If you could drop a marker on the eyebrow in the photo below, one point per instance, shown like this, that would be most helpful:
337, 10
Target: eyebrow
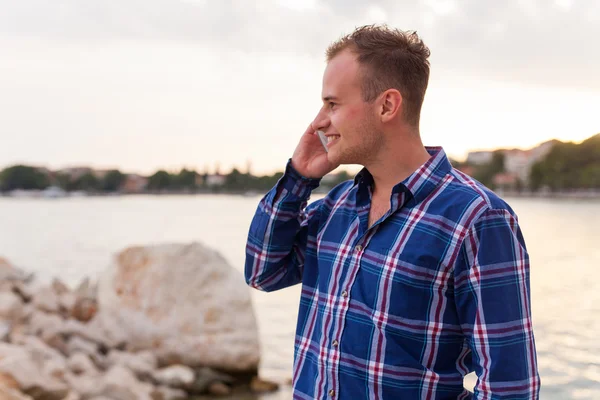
329, 98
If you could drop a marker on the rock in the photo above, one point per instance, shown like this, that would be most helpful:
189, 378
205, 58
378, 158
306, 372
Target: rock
257, 385
8, 382
23, 290
9, 272
167, 393
25, 368
45, 299
11, 306
45, 391
73, 396
84, 309
5, 329
205, 377
87, 289
44, 325
38, 348
58, 343
66, 303
120, 384
142, 364
77, 344
7, 393
85, 386
55, 368
80, 363
59, 287
219, 389
51, 363
176, 376
91, 332
184, 302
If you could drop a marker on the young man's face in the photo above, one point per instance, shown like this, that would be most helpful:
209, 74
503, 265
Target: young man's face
348, 121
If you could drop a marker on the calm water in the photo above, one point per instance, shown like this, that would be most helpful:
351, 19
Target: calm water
74, 238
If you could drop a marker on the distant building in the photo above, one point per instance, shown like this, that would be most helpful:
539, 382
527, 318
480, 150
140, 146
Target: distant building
75, 173
101, 173
506, 180
215, 180
519, 162
134, 183
479, 157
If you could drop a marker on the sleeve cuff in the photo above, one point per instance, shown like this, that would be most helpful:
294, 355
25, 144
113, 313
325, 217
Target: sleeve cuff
293, 182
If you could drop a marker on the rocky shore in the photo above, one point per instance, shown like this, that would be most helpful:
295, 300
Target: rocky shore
162, 322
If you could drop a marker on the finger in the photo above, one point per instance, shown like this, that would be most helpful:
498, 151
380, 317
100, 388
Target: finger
310, 130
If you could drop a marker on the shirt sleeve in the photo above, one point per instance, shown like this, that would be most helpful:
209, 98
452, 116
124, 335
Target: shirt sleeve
492, 294
278, 234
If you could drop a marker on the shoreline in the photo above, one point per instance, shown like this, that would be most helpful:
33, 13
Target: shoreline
34, 194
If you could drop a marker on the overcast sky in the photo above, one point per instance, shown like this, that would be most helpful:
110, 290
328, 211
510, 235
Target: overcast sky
148, 84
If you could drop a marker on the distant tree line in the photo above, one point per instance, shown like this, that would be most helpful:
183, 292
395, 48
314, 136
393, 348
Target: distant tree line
567, 166
31, 178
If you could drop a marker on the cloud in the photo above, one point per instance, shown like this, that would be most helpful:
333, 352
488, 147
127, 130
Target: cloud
523, 41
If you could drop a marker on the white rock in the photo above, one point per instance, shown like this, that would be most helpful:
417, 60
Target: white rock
5, 328
26, 369
182, 301
10, 306
44, 324
176, 376
77, 344
91, 332
167, 393
142, 364
80, 363
59, 287
8, 272
66, 301
55, 368
38, 348
12, 394
25, 291
73, 396
46, 299
87, 289
120, 384
85, 386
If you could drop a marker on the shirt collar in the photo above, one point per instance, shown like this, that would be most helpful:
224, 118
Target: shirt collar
421, 182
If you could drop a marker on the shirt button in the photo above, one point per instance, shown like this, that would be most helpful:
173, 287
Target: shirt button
335, 343
344, 294
359, 247
332, 393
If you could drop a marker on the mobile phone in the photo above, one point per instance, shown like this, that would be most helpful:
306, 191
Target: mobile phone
323, 140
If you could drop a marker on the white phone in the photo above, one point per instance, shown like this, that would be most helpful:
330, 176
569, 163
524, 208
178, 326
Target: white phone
323, 140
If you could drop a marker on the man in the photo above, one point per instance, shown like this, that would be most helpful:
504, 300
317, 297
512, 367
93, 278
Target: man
413, 274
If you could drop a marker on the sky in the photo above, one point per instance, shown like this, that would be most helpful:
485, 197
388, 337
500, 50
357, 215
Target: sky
142, 85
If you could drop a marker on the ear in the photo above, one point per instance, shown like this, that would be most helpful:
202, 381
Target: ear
391, 105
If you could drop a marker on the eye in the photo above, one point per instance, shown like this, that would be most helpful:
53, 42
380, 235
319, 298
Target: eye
330, 104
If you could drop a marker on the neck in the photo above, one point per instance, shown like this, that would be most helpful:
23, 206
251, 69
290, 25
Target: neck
398, 158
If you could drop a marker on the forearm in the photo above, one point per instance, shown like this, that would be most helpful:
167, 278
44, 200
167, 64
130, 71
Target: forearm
277, 237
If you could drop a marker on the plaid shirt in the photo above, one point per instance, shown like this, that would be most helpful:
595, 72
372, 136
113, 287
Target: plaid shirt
436, 288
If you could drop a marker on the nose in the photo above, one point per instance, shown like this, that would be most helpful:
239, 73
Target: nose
321, 121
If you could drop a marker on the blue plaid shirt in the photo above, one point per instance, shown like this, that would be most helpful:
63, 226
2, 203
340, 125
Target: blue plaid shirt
436, 288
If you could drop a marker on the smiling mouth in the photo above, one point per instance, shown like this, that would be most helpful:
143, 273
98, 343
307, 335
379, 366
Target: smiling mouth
332, 138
